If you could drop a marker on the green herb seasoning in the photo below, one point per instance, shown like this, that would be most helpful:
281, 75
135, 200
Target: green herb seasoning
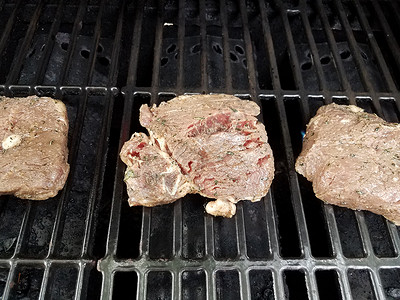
233, 109
129, 174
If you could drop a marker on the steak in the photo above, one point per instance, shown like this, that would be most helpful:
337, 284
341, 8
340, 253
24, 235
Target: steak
353, 160
207, 144
33, 150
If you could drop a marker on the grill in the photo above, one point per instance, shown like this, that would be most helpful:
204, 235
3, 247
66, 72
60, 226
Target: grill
104, 59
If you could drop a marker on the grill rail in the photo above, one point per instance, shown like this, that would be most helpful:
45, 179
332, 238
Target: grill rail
104, 59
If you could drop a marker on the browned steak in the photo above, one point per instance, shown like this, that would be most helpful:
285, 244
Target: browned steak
214, 141
33, 150
353, 159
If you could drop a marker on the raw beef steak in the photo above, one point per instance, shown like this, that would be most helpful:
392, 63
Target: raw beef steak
208, 144
33, 150
353, 160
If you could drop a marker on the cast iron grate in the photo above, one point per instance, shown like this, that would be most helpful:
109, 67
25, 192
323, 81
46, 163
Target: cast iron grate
106, 58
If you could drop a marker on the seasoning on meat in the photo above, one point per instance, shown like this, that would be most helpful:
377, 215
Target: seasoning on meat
353, 160
207, 144
33, 149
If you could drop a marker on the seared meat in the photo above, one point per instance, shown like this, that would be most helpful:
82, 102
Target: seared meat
353, 159
33, 150
217, 143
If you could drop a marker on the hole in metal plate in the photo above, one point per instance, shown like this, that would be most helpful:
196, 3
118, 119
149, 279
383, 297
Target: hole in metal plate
171, 48
196, 48
325, 60
239, 49
306, 66
164, 61
233, 57
64, 46
85, 53
103, 60
217, 48
345, 54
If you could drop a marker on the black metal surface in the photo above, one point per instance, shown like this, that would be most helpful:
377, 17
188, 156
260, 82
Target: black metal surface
104, 59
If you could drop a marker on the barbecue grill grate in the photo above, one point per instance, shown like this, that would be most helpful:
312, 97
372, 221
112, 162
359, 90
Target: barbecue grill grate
104, 59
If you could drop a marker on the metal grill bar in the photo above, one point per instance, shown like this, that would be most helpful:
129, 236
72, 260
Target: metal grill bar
312, 285
23, 230
112, 80
293, 55
313, 47
240, 224
78, 20
181, 45
394, 235
157, 51
352, 42
24, 48
9, 26
49, 44
334, 49
249, 52
245, 263
58, 224
378, 54
225, 39
296, 198
96, 38
106, 265
389, 34
105, 127
131, 80
17, 248
294, 58
269, 44
203, 43
59, 220
396, 7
